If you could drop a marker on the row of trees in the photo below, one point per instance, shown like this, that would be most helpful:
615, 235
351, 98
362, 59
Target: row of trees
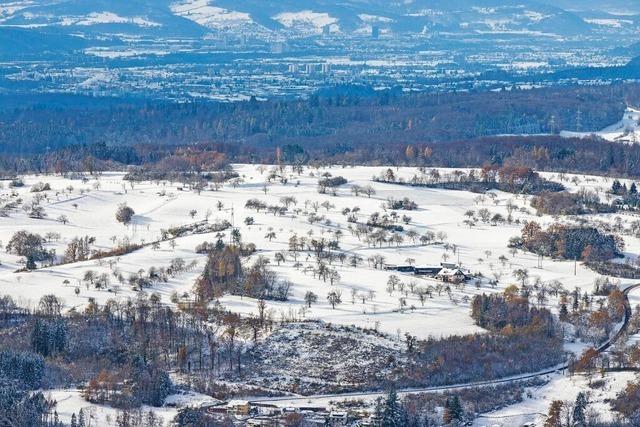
512, 179
509, 313
565, 203
568, 242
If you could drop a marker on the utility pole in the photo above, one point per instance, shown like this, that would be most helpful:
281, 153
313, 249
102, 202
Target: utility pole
552, 124
579, 121
232, 225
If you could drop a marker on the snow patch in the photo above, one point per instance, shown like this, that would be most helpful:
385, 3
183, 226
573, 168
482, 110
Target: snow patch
373, 19
8, 9
96, 18
201, 12
534, 16
613, 23
306, 19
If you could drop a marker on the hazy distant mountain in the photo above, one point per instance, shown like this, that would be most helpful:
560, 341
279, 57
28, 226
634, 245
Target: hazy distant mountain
612, 6
87, 16
298, 18
15, 41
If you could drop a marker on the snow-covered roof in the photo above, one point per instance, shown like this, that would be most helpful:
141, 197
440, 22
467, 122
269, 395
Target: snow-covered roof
450, 272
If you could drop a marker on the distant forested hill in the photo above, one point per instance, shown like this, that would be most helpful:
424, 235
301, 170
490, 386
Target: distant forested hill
346, 119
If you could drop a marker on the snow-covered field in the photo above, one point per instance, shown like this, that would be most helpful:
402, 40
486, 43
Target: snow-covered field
90, 207
70, 402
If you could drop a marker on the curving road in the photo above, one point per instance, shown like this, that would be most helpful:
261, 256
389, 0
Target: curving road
625, 324
521, 377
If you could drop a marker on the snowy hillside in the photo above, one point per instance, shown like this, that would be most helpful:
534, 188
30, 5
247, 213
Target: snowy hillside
212, 17
310, 17
626, 130
274, 209
307, 20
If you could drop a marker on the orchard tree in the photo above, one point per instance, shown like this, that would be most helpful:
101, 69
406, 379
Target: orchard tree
270, 235
334, 277
522, 274
30, 246
393, 282
334, 298
310, 298
369, 191
124, 214
280, 257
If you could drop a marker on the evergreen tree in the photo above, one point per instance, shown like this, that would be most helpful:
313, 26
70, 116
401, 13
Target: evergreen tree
25, 367
236, 236
150, 385
633, 189
49, 337
191, 417
579, 410
74, 422
453, 412
576, 300
37, 343
377, 412
22, 408
393, 414
456, 409
616, 187
564, 313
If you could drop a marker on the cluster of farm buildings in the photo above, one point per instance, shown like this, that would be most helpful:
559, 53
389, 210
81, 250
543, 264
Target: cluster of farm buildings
445, 272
